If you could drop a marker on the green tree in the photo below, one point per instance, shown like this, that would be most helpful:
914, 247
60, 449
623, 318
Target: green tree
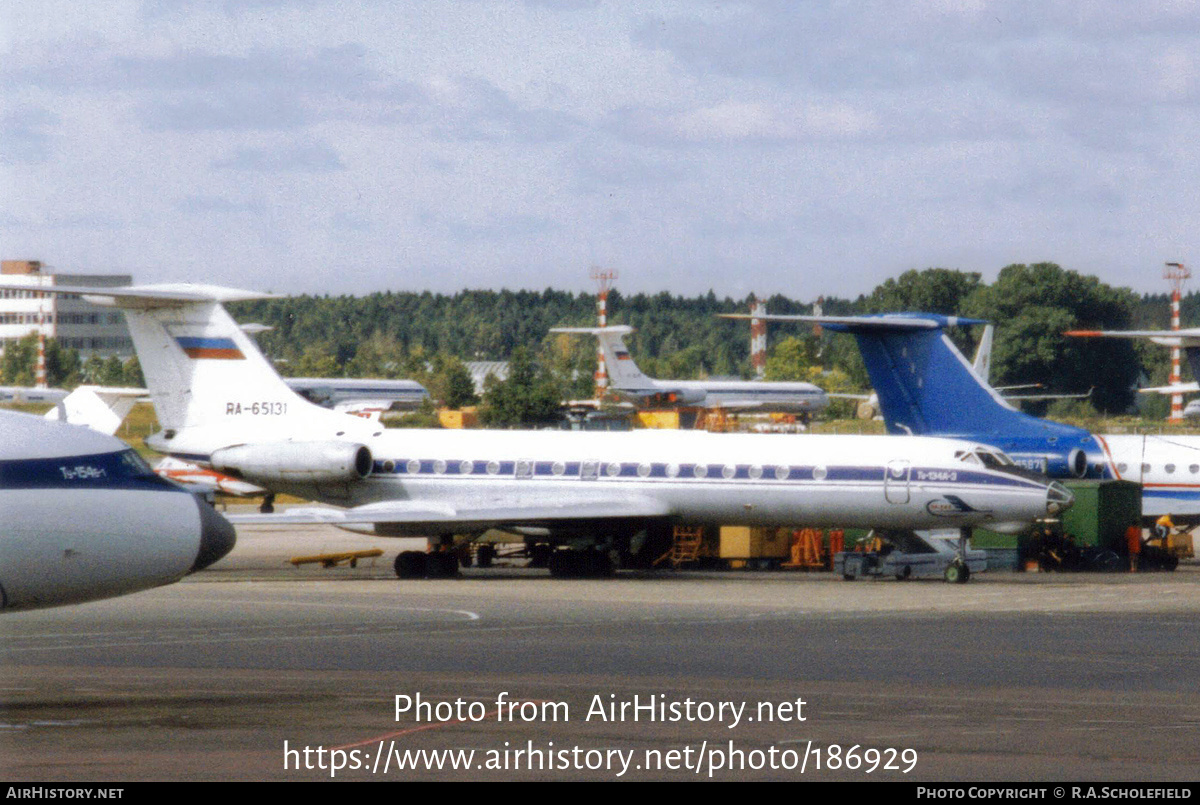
19, 365
1032, 305
529, 396
451, 383
316, 361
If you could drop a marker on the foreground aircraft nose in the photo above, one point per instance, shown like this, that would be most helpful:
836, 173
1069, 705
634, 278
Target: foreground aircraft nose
1058, 498
216, 536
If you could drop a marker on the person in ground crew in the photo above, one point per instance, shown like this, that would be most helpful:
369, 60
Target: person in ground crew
1133, 544
1163, 526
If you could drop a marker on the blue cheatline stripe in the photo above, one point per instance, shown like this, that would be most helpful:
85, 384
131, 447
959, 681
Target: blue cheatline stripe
1172, 494
119, 470
768, 473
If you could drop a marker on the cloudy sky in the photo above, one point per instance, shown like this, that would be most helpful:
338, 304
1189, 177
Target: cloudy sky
333, 146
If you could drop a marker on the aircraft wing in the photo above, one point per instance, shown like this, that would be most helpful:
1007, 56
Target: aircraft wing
497, 513
1081, 396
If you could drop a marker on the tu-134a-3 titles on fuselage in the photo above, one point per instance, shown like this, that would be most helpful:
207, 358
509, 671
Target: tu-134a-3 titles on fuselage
221, 404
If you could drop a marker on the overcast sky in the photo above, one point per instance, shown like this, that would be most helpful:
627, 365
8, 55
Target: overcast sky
803, 148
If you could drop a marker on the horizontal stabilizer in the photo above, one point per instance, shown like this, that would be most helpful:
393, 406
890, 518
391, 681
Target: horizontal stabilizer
895, 322
148, 296
1178, 388
1170, 338
614, 329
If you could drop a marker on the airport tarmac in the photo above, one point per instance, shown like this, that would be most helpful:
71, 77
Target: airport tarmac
1011, 677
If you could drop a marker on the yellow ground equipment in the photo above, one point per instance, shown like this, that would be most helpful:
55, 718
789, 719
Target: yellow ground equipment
334, 559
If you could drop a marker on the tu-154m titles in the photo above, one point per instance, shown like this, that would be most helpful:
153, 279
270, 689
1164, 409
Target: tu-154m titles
221, 404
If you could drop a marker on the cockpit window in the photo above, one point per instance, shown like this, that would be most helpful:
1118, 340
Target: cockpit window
968, 456
133, 465
992, 460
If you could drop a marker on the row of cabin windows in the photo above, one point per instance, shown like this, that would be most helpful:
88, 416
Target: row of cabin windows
611, 469
1169, 468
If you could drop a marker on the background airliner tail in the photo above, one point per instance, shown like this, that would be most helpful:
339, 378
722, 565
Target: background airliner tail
925, 384
623, 373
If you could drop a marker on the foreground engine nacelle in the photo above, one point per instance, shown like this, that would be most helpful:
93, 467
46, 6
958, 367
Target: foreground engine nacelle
295, 462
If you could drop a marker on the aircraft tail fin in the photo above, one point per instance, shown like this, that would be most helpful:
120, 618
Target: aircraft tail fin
101, 408
201, 368
925, 384
983, 354
623, 373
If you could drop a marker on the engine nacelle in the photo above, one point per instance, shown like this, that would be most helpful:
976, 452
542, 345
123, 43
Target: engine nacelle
1072, 465
295, 462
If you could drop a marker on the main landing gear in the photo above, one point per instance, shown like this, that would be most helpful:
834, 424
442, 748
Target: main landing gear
421, 565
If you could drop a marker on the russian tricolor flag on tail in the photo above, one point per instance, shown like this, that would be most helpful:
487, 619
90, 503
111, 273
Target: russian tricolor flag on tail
200, 348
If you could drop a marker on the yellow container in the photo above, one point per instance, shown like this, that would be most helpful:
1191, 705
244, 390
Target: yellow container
754, 542
463, 418
658, 419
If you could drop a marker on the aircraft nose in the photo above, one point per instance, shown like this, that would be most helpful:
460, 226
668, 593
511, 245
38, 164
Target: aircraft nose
216, 536
1058, 498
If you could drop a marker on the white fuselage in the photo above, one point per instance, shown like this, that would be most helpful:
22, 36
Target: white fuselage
849, 481
1167, 467
782, 396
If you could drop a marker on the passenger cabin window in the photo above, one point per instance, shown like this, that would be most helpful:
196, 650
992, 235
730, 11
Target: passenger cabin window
1170, 468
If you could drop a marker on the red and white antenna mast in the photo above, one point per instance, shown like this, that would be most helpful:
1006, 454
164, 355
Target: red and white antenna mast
758, 337
39, 378
1176, 274
604, 280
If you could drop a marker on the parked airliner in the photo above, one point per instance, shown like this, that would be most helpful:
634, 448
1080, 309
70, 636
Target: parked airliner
627, 381
85, 518
221, 404
926, 387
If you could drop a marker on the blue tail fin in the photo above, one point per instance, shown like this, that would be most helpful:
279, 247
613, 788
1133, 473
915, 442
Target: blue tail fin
927, 387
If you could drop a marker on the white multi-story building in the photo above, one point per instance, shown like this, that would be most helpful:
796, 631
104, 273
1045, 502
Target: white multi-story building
80, 325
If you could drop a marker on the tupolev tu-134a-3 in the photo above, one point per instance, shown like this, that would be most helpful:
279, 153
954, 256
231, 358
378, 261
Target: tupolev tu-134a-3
590, 495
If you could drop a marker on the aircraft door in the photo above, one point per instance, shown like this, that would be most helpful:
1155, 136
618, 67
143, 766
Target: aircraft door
895, 481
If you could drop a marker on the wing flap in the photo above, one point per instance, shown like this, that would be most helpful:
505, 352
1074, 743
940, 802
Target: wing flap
541, 511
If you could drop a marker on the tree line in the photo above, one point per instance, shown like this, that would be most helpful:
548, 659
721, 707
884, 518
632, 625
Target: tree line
428, 337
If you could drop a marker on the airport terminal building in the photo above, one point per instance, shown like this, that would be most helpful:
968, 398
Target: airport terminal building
77, 324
